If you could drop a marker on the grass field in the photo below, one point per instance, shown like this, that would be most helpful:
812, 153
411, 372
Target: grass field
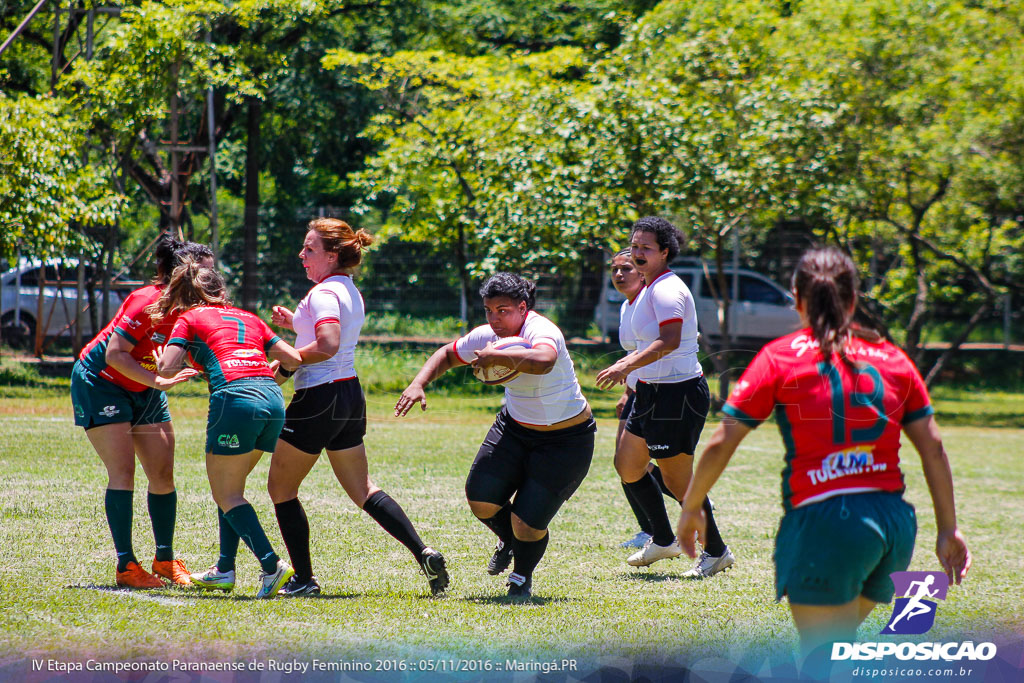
57, 596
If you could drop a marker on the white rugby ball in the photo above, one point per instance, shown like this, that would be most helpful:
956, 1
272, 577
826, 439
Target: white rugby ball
498, 373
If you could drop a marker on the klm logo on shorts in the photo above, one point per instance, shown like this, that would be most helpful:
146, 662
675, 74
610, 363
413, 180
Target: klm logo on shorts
110, 411
914, 613
228, 440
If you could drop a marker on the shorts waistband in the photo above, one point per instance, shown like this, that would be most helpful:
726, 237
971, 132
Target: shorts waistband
680, 382
246, 381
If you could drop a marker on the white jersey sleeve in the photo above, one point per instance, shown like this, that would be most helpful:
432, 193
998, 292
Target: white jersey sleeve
333, 300
626, 337
475, 340
534, 400
664, 301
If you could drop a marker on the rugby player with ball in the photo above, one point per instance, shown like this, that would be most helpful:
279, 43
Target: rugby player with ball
539, 449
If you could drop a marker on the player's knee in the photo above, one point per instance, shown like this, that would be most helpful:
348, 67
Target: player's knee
628, 470
483, 510
281, 491
525, 532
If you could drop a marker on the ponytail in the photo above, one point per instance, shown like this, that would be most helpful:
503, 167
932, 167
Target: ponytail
826, 283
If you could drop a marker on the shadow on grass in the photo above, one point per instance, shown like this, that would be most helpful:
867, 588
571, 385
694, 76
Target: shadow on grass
651, 577
505, 600
169, 595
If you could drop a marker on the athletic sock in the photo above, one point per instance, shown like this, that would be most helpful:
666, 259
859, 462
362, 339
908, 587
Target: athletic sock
390, 515
118, 506
656, 473
501, 523
527, 554
647, 494
163, 509
291, 517
228, 544
638, 512
246, 524
713, 546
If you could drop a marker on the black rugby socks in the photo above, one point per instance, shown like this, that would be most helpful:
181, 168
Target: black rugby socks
638, 511
390, 515
501, 523
118, 506
647, 494
163, 509
713, 543
656, 473
291, 517
527, 554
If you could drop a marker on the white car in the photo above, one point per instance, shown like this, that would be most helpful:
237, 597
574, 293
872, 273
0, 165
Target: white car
762, 311
19, 306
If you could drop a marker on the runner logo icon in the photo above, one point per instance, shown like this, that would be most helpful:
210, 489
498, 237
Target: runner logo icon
914, 610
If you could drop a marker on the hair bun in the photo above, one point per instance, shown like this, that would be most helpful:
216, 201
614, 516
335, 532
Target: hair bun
365, 238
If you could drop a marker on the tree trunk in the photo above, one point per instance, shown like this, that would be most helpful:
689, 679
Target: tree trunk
915, 325
464, 283
976, 318
252, 205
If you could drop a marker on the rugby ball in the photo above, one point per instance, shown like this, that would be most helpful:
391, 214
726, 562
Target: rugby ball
498, 373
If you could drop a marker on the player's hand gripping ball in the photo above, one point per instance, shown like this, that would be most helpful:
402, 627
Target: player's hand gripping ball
499, 373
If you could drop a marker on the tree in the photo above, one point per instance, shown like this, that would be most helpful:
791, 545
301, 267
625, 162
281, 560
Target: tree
46, 190
929, 183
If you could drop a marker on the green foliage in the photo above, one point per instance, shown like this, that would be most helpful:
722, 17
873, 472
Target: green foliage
16, 374
45, 186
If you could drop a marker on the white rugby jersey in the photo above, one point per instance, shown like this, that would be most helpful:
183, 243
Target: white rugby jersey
626, 337
534, 399
334, 299
664, 301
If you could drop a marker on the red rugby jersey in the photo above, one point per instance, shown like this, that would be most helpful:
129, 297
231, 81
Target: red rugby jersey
228, 343
840, 425
133, 323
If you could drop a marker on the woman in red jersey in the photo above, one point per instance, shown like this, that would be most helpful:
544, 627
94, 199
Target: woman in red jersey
841, 394
246, 408
120, 401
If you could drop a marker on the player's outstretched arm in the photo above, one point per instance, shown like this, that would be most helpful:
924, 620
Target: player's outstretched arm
439, 363
950, 546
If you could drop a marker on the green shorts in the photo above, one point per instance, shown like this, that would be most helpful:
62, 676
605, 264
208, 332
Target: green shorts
830, 552
245, 415
98, 401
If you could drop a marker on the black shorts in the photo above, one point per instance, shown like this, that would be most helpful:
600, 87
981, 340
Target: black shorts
331, 416
670, 417
542, 469
628, 407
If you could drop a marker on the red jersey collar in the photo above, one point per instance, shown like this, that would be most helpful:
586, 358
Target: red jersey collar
327, 277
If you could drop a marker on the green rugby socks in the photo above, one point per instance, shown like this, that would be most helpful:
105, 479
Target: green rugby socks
118, 506
163, 509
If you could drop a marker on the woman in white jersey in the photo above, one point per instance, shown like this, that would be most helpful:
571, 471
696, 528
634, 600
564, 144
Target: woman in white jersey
328, 410
628, 282
539, 449
672, 397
